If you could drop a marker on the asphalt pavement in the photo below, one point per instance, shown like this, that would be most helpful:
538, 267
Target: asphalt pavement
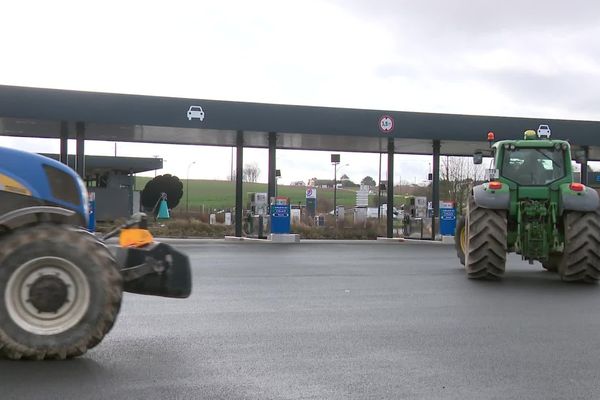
361, 320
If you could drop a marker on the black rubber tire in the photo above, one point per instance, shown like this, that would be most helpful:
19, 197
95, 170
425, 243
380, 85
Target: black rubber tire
458, 245
581, 258
485, 257
92, 258
552, 263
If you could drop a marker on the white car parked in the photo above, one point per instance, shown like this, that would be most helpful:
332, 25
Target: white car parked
543, 131
195, 112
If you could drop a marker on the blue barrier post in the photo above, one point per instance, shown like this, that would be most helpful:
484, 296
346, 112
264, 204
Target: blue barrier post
92, 213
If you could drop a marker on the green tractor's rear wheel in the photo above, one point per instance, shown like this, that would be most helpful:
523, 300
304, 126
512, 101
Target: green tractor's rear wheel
61, 291
485, 247
581, 258
460, 239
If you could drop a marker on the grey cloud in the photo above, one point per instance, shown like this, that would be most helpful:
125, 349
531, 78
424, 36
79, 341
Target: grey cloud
577, 93
465, 17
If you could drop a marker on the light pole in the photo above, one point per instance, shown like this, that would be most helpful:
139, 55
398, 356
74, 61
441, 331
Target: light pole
277, 176
155, 156
379, 192
335, 160
187, 187
231, 174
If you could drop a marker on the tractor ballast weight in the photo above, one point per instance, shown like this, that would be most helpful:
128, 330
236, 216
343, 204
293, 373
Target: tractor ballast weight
531, 206
61, 286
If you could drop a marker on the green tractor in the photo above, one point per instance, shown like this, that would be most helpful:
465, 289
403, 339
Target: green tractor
531, 206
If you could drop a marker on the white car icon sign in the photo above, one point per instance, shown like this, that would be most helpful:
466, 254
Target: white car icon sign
543, 131
195, 112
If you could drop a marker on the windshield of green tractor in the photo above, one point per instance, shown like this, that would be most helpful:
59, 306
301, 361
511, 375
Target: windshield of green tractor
533, 167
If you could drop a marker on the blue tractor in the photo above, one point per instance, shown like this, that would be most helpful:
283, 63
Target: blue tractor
61, 286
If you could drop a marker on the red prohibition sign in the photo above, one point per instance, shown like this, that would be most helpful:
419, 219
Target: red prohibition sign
386, 124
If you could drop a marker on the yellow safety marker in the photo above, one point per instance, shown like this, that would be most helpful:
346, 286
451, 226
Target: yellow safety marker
135, 237
530, 135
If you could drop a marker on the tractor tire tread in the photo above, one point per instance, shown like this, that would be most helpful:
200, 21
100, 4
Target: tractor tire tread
485, 256
112, 285
581, 256
460, 226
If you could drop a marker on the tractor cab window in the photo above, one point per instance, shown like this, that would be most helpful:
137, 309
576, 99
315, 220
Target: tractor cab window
533, 167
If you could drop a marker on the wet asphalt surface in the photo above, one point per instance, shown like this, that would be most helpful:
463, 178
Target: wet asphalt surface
337, 321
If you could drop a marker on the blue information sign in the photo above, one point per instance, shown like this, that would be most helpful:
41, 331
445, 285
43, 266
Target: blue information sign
447, 221
280, 218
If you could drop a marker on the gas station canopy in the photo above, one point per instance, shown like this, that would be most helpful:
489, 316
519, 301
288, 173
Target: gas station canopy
35, 112
65, 114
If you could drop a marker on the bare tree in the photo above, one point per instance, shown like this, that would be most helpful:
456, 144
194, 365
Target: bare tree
458, 174
251, 173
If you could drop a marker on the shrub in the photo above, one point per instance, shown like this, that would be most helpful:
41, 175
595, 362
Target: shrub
189, 228
332, 232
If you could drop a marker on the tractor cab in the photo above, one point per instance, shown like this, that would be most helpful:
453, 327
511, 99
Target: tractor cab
532, 162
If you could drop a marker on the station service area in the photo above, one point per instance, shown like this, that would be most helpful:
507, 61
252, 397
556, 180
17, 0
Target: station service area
530, 201
86, 116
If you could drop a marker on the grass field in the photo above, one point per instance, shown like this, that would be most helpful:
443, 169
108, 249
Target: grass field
206, 195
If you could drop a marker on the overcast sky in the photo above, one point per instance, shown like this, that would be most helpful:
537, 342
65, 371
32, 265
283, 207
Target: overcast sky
511, 58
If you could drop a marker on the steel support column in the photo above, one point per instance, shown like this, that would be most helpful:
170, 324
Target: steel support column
390, 189
584, 166
80, 149
272, 165
435, 186
239, 169
379, 192
64, 142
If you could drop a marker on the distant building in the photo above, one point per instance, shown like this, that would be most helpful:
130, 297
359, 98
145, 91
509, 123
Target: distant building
112, 180
326, 183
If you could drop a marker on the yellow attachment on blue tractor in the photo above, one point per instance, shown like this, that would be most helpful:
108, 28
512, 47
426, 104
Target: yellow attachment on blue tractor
135, 237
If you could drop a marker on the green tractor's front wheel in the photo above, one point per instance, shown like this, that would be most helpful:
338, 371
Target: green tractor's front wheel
61, 292
581, 258
485, 246
460, 239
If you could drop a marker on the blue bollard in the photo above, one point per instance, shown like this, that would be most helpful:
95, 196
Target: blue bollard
92, 213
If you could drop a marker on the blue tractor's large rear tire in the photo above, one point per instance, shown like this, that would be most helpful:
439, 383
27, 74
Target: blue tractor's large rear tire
486, 235
581, 258
61, 292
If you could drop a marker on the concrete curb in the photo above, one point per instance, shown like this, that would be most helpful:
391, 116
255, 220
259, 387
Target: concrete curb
387, 239
425, 241
233, 239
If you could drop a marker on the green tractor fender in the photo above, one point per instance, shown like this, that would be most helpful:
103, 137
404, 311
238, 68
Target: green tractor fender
495, 199
583, 198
